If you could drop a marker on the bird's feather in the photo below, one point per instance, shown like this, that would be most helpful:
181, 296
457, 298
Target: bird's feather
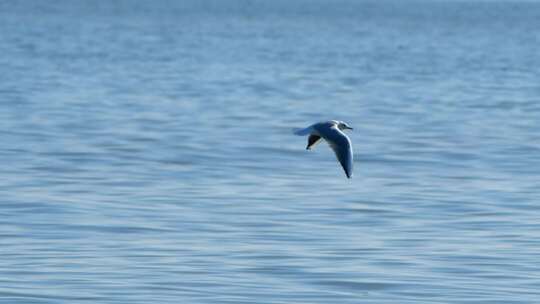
341, 144
302, 132
312, 141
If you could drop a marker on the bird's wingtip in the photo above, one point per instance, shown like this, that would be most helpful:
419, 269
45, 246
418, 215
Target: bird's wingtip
301, 132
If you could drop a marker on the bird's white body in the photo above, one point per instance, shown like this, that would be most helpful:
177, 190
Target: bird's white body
331, 131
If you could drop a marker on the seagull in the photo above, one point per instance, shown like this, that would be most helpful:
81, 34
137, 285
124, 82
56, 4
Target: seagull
331, 131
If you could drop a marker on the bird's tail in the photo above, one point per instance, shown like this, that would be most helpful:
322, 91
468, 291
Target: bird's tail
302, 132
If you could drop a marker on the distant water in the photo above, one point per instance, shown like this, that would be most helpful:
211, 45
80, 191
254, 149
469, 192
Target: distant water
147, 154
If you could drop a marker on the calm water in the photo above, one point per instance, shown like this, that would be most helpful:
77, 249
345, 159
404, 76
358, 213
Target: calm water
147, 154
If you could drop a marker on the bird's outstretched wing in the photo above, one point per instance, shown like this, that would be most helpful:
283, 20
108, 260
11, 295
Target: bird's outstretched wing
304, 131
312, 141
341, 144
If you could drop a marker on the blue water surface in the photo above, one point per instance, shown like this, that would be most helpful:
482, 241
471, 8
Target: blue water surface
147, 153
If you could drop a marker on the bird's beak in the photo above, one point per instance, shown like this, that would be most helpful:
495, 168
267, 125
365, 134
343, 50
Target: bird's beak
349, 128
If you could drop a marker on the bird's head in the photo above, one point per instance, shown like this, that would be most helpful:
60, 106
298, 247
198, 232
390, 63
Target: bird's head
343, 126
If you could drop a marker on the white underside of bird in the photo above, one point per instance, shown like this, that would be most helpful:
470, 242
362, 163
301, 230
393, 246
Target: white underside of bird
331, 131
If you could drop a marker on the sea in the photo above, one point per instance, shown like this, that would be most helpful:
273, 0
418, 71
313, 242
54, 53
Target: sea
147, 153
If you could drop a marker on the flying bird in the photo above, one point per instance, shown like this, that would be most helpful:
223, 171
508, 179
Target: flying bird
331, 131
